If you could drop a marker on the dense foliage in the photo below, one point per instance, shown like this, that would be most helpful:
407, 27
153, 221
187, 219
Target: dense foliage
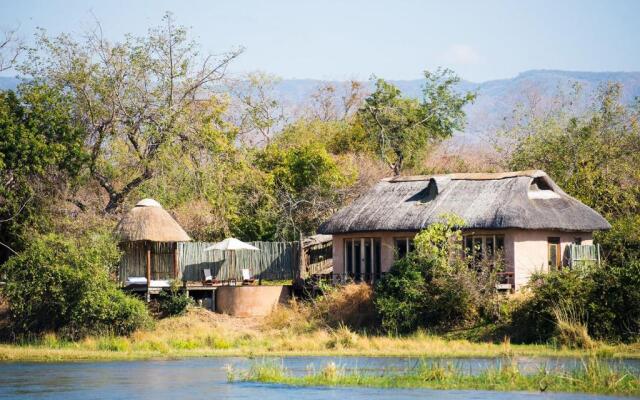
40, 151
593, 156
433, 287
606, 300
62, 285
400, 129
174, 302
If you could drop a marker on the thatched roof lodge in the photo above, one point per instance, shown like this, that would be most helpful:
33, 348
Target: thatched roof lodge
148, 221
148, 236
524, 214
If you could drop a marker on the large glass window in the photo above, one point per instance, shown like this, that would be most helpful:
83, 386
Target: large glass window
403, 246
483, 247
348, 257
362, 258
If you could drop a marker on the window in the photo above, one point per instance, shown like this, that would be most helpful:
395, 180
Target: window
553, 244
483, 247
362, 258
541, 190
403, 246
577, 240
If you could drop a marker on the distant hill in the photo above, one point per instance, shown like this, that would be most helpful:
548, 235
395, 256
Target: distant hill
496, 99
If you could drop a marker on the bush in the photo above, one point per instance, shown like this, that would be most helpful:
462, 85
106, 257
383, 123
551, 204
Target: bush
63, 286
433, 288
606, 301
349, 305
173, 302
400, 296
614, 302
534, 319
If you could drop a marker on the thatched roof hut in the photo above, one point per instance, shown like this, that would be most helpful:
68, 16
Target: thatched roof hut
522, 199
148, 221
148, 237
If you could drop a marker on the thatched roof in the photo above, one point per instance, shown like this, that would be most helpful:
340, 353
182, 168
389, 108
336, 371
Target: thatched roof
522, 199
316, 240
149, 221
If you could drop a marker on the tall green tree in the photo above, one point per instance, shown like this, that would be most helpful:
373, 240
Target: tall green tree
305, 185
401, 129
41, 152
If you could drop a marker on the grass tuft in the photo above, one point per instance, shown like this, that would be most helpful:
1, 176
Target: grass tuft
570, 330
592, 376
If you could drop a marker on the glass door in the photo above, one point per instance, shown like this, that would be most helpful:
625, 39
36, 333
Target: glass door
553, 244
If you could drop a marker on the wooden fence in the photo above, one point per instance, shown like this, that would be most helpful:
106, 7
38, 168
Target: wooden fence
134, 260
274, 261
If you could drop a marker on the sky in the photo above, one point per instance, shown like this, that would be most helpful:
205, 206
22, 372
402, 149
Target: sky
339, 40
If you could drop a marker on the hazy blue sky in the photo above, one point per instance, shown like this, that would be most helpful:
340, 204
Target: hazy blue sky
481, 40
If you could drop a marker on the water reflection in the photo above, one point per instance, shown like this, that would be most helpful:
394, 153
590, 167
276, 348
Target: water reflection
206, 378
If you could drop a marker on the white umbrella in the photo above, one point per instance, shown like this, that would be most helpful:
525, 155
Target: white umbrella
231, 244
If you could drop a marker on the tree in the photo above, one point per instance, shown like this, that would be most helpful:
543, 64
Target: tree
305, 184
41, 152
259, 114
135, 99
10, 49
336, 102
400, 129
593, 156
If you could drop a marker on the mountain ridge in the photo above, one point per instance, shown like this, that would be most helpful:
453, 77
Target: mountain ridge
496, 99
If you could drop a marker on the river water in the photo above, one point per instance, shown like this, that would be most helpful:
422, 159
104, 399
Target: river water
206, 378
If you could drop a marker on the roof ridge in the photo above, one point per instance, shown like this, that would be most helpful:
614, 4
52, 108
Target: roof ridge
471, 176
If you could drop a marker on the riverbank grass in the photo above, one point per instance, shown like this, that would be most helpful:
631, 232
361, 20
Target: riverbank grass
593, 376
201, 333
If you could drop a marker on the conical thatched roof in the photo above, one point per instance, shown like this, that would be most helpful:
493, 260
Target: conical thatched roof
521, 199
149, 221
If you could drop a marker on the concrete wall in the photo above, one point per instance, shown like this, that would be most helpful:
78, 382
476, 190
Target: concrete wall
250, 301
525, 251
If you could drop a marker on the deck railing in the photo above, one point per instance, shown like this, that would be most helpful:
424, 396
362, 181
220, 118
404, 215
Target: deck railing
505, 280
356, 278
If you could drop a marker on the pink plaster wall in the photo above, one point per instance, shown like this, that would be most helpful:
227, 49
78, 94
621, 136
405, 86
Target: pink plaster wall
525, 250
531, 251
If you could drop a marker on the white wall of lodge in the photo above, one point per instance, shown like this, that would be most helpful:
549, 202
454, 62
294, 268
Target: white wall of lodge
525, 251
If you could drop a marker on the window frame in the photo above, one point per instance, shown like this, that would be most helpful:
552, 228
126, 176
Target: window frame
498, 245
555, 241
409, 246
374, 257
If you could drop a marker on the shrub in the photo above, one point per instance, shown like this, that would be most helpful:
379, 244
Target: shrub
349, 305
174, 302
399, 296
534, 319
433, 288
61, 285
606, 299
614, 302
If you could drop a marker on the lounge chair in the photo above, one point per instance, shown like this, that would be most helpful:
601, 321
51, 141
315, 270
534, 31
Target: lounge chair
246, 277
136, 281
208, 277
